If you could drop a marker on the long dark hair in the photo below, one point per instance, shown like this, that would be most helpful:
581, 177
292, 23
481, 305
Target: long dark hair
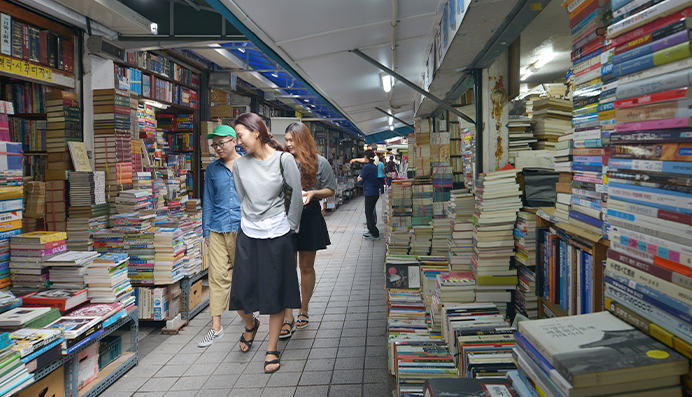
254, 122
305, 153
370, 155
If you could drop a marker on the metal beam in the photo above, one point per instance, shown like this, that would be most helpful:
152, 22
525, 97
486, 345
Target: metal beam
412, 85
193, 5
394, 117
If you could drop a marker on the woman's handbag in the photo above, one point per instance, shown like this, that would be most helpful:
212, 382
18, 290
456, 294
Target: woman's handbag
286, 190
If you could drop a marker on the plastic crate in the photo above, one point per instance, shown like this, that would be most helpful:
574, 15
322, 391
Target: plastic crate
110, 349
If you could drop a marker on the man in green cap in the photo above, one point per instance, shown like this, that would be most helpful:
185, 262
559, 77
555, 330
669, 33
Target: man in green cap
220, 222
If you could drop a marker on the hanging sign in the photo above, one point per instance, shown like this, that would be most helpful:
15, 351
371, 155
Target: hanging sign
25, 69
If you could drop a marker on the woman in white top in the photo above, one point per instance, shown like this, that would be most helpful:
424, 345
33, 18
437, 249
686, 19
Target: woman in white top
264, 275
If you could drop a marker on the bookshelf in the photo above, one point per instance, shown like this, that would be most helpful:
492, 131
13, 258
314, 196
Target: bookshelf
570, 278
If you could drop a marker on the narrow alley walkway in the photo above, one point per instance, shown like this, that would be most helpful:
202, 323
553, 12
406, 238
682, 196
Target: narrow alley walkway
341, 353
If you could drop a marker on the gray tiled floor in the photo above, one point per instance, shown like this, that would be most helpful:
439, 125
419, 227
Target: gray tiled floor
341, 353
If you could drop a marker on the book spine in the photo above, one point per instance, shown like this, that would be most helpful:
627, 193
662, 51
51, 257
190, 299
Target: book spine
25, 42
592, 134
544, 365
652, 47
591, 18
656, 111
670, 312
644, 196
663, 96
677, 253
617, 4
631, 6
662, 78
648, 211
671, 167
548, 357
655, 13
652, 269
668, 293
654, 230
578, 16
681, 122
574, 5
658, 58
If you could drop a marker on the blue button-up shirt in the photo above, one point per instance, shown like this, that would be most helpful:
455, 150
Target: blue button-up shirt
220, 204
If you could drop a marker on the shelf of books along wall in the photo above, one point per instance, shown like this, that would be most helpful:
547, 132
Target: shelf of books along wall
34, 48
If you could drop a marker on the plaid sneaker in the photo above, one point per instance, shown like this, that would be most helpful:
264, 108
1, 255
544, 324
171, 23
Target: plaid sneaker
211, 337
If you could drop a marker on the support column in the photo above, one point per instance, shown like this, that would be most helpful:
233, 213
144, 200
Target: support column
495, 115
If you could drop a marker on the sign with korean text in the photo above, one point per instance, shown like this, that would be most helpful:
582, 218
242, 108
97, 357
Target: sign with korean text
25, 69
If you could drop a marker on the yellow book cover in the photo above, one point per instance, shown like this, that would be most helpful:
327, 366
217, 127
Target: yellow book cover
11, 225
11, 192
44, 237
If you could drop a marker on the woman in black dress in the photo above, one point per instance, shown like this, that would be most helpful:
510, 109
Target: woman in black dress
318, 182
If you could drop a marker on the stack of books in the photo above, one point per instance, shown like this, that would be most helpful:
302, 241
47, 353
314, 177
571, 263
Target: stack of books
401, 197
11, 192
56, 205
468, 145
169, 255
87, 188
107, 279
129, 201
595, 355
67, 270
422, 150
142, 181
479, 338
417, 361
451, 288
136, 151
497, 203
83, 223
520, 135
552, 118
428, 275
132, 222
29, 253
440, 237
563, 153
422, 201
64, 124
421, 240
526, 301
460, 242
35, 202
60, 299
13, 374
138, 246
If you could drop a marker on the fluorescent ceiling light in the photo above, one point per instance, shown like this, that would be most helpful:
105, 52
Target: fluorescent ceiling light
391, 127
526, 75
545, 58
387, 81
306, 100
275, 75
242, 50
391, 120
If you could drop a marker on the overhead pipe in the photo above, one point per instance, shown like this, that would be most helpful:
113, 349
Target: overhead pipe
395, 21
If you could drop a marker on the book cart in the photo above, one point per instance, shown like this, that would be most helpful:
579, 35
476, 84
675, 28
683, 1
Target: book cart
577, 238
107, 375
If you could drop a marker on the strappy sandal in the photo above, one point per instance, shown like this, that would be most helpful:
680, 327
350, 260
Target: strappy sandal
291, 329
248, 343
305, 322
275, 361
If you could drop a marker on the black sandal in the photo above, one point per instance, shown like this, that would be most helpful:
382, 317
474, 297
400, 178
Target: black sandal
291, 329
275, 361
248, 343
305, 322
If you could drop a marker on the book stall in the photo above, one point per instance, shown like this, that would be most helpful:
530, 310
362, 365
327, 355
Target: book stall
530, 295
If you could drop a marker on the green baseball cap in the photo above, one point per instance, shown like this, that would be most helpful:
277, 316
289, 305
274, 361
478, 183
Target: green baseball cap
222, 130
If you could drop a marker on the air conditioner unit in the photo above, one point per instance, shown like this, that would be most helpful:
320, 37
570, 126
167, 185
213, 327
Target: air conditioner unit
99, 46
222, 81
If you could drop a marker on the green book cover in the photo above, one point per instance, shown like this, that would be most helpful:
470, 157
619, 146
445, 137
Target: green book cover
44, 319
672, 54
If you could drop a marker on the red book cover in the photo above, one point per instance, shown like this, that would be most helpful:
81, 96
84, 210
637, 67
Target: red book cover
588, 48
669, 95
638, 42
659, 23
60, 299
43, 47
583, 14
102, 310
25, 42
68, 55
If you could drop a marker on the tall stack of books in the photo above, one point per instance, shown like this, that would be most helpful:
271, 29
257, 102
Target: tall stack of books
169, 255
112, 140
497, 203
460, 242
469, 153
422, 150
421, 240
67, 270
88, 209
456, 153
412, 152
14, 375
401, 196
11, 202
422, 201
56, 205
417, 361
138, 246
136, 151
405, 320
526, 301
64, 124
520, 135
563, 164
28, 255
35, 202
648, 213
552, 118
129, 201
441, 229
479, 339
107, 279
595, 355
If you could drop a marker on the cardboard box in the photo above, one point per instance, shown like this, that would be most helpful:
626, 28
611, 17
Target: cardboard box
195, 295
160, 300
88, 367
218, 97
175, 295
52, 385
221, 111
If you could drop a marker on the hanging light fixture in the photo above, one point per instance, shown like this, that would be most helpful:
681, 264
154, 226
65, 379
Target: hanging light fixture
387, 81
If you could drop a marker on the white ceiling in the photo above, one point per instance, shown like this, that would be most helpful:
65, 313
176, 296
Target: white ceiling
316, 44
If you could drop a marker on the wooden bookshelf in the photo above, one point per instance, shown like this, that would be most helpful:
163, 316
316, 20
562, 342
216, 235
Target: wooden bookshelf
29, 115
158, 75
585, 240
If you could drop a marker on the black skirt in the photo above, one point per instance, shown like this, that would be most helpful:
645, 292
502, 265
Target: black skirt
313, 234
265, 278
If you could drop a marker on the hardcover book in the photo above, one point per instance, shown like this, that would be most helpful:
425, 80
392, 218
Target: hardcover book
577, 345
21, 315
460, 387
61, 299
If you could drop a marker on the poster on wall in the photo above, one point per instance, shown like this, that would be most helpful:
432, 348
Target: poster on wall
430, 67
438, 46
